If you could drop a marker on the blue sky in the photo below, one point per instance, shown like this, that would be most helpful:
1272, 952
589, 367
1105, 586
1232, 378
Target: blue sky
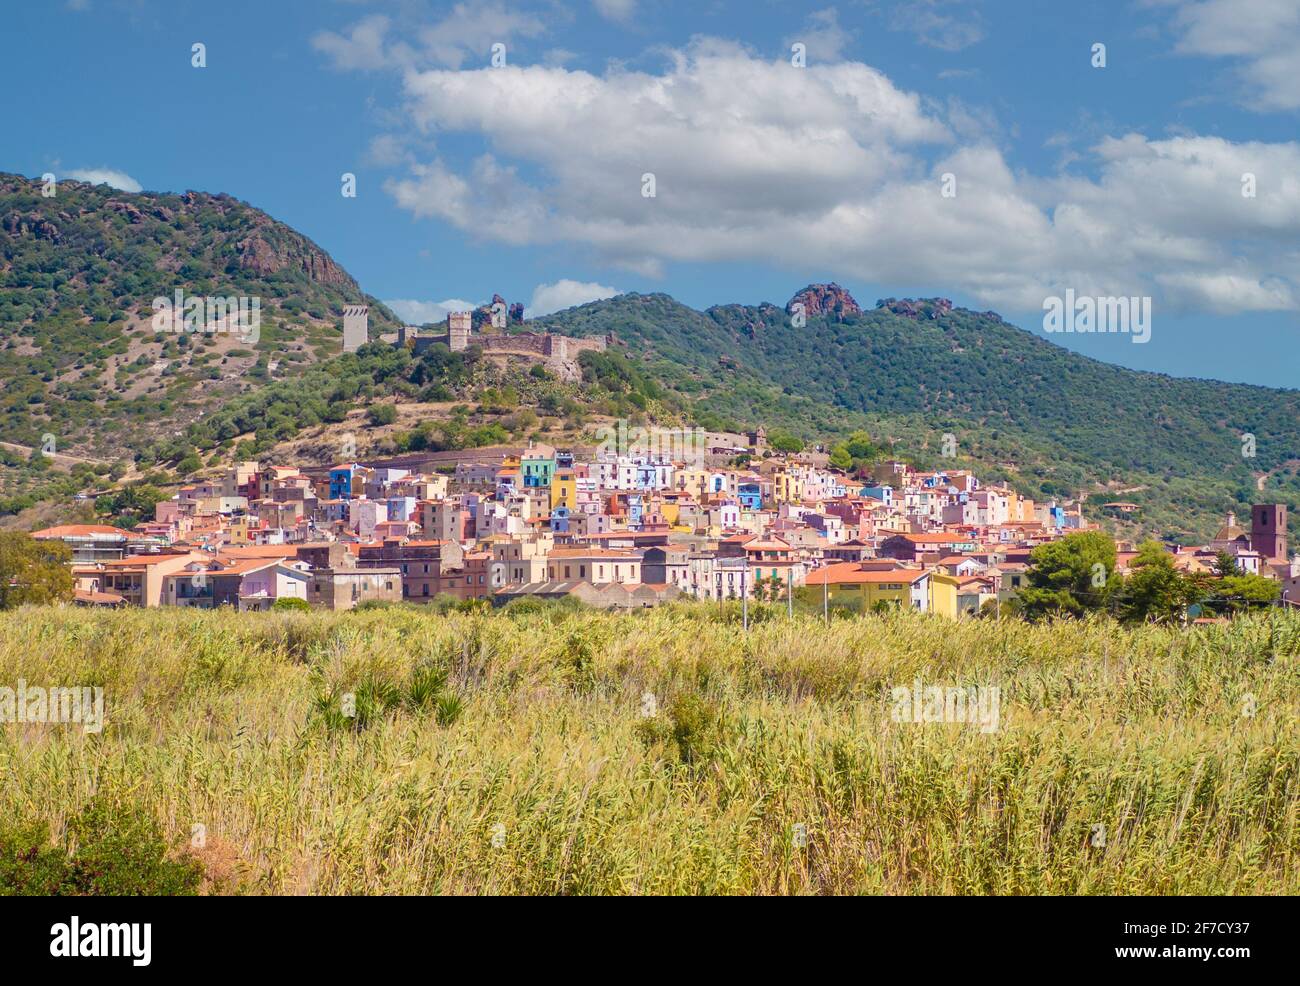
526, 179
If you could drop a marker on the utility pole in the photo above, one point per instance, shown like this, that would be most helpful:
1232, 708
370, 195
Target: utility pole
826, 612
789, 589
744, 594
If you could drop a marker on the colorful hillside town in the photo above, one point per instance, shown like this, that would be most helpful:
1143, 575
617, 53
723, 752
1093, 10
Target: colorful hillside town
626, 524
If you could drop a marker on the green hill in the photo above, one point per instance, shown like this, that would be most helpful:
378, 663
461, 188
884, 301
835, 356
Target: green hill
1025, 410
79, 356
80, 360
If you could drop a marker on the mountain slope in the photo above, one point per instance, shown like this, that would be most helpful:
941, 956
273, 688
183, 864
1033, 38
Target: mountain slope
1067, 422
81, 361
79, 357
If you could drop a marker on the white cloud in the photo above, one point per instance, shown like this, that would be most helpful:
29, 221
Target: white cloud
468, 31
824, 37
834, 168
1227, 293
361, 48
565, 293
615, 10
415, 312
106, 176
933, 23
1263, 34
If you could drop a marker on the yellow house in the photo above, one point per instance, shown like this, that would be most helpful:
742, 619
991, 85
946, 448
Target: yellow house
671, 510
941, 591
564, 489
692, 481
238, 528
849, 585
787, 486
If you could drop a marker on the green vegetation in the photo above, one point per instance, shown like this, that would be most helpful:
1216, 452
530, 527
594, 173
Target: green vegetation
78, 275
33, 572
1022, 410
108, 850
1076, 575
556, 776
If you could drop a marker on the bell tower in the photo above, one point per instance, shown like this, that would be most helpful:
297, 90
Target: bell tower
1268, 530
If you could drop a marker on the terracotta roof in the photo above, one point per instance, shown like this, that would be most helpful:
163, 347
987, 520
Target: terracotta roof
247, 566
136, 560
97, 598
850, 574
260, 551
81, 530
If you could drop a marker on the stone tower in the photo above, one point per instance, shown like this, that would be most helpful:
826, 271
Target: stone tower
356, 327
1268, 530
459, 326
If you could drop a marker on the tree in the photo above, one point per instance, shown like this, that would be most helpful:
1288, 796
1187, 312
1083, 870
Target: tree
783, 441
35, 572
840, 458
861, 448
1225, 565
382, 414
132, 505
769, 590
1070, 577
1239, 592
1156, 590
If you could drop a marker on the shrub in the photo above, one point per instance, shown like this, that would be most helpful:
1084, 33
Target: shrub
109, 850
382, 414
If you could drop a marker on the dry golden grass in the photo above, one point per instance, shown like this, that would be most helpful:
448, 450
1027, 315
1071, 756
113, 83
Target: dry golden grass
218, 719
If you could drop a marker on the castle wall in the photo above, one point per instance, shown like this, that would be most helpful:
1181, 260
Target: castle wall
559, 353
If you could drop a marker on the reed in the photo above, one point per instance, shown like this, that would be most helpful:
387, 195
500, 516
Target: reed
512, 752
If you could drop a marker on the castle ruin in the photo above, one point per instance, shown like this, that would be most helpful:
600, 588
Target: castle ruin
558, 353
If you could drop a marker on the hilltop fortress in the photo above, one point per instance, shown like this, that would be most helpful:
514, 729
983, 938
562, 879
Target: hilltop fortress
557, 352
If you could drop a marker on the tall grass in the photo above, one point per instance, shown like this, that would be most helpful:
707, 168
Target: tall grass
509, 752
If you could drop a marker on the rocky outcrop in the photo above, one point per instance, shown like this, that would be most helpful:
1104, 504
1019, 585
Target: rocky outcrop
829, 300
482, 316
264, 253
30, 224
133, 215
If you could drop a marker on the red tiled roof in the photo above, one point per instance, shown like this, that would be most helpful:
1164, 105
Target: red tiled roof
850, 574
81, 530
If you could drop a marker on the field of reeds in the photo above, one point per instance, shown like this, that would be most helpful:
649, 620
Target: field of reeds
553, 751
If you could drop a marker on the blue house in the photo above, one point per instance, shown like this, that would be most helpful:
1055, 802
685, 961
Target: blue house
341, 481
751, 496
560, 519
